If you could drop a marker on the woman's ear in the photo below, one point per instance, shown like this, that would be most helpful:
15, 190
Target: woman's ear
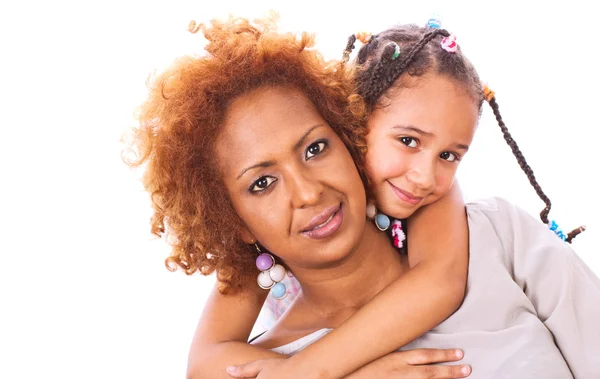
246, 236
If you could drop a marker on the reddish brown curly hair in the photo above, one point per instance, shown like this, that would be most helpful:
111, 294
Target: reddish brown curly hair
181, 119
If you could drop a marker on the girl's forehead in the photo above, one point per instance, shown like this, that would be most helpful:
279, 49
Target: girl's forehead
430, 103
425, 89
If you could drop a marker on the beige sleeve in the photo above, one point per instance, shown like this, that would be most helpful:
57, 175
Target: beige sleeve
563, 290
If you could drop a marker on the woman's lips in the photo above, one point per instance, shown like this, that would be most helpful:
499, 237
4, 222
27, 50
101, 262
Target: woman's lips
326, 224
405, 196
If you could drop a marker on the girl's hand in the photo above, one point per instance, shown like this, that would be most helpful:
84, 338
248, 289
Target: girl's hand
411, 364
415, 364
261, 369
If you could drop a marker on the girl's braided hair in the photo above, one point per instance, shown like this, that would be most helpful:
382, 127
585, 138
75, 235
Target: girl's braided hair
379, 70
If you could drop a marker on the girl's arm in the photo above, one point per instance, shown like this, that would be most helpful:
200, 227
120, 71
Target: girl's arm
222, 332
430, 292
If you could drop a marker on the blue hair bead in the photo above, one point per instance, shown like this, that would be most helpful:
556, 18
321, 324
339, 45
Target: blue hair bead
434, 23
554, 227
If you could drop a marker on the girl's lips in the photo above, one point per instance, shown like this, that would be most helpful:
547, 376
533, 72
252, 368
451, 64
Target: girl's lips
326, 224
405, 196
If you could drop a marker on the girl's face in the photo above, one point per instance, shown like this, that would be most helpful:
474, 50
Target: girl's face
291, 179
416, 142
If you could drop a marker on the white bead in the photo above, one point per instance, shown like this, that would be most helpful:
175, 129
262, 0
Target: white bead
371, 210
264, 280
277, 273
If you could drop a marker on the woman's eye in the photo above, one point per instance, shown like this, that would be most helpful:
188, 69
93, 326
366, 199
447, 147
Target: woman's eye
409, 141
450, 157
315, 149
262, 183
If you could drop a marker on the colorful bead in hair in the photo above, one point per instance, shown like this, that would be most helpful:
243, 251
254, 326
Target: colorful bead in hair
364, 37
434, 23
398, 234
488, 94
396, 53
449, 44
558, 231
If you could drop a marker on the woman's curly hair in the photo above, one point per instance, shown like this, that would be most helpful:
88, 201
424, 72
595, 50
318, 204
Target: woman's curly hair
181, 119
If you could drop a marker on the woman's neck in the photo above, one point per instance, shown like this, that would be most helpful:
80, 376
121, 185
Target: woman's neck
339, 291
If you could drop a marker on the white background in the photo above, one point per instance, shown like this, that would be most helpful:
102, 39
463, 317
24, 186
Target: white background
83, 289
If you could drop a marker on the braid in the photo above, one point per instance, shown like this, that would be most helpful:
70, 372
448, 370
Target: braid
367, 49
396, 71
376, 87
574, 233
521, 160
525, 167
349, 48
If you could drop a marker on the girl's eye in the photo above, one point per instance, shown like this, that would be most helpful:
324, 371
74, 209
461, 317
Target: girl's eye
450, 157
315, 149
409, 141
262, 183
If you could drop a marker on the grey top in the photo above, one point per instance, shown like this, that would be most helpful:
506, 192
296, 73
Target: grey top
532, 306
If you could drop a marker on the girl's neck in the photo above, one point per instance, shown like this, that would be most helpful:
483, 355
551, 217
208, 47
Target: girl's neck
341, 290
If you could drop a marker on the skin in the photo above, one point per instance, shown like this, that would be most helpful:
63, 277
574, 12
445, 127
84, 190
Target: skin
289, 172
427, 128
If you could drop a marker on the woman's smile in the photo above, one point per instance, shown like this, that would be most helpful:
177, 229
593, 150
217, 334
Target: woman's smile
325, 224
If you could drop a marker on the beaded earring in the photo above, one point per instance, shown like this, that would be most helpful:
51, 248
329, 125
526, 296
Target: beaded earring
382, 222
271, 274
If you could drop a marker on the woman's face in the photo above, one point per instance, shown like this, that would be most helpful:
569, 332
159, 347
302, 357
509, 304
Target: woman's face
291, 179
416, 142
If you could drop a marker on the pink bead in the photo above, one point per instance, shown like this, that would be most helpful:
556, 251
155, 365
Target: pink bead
264, 261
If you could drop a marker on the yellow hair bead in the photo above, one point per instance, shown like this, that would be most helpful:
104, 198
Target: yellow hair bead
363, 37
488, 94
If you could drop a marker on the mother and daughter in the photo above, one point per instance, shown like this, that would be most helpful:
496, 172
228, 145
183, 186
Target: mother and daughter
262, 158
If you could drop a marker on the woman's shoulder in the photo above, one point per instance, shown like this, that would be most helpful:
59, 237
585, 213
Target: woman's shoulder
503, 215
518, 233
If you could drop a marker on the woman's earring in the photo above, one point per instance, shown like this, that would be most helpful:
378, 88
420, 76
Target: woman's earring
271, 274
382, 222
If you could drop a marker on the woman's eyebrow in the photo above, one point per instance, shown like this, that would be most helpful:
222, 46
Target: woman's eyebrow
305, 135
261, 165
271, 163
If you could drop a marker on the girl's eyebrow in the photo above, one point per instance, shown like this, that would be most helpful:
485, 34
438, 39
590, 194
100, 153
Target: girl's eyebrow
461, 146
410, 128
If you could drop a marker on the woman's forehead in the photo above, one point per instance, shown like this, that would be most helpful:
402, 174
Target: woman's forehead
264, 122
